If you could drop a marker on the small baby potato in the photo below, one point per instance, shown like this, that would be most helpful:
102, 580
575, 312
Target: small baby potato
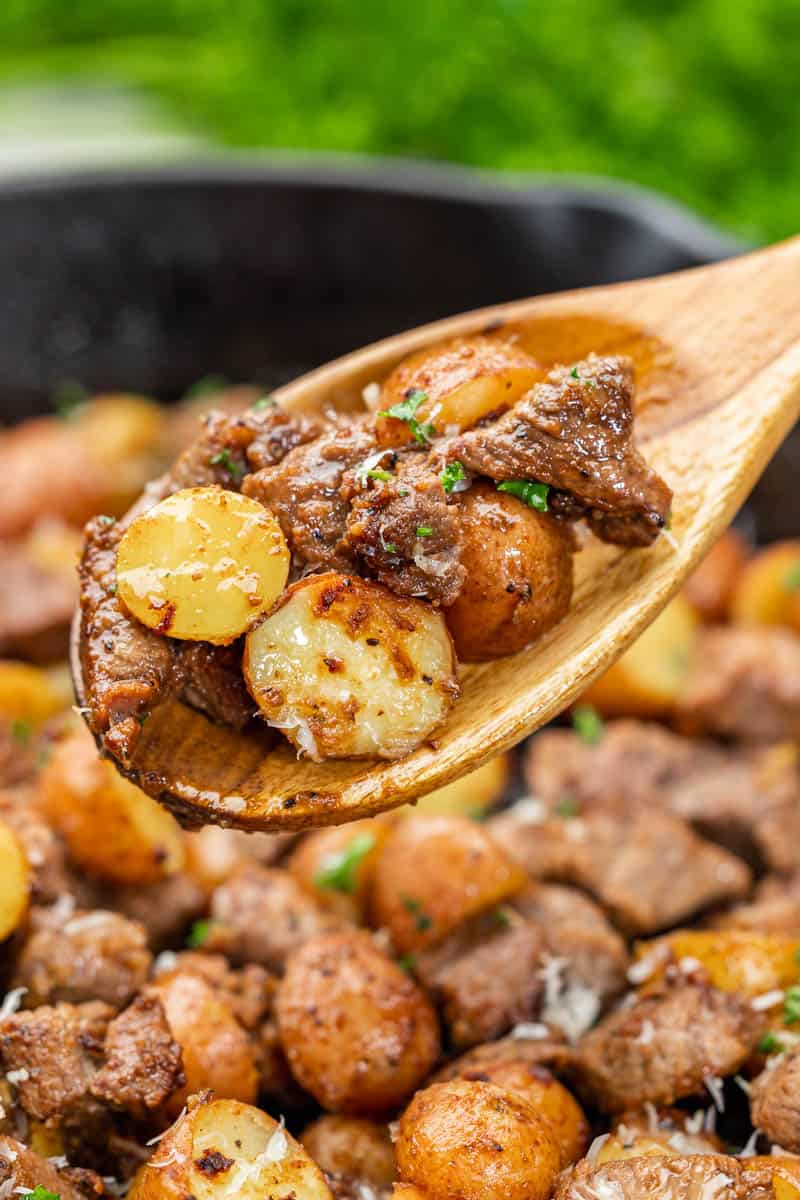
550, 1099
113, 830
478, 1142
433, 873
767, 591
735, 960
463, 381
337, 864
710, 586
472, 795
202, 565
647, 680
351, 1146
15, 879
125, 435
359, 1034
217, 1053
28, 694
346, 669
519, 575
226, 1150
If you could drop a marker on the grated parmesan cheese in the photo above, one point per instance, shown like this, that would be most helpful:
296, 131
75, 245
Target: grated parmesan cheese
767, 1000
596, 1147
573, 1007
715, 1087
174, 1125
371, 395
12, 1001
646, 966
533, 1030
278, 1145
21, 1075
748, 1150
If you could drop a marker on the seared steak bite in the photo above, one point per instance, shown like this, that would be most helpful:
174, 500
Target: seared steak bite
649, 871
575, 433
665, 1046
213, 682
745, 683
774, 908
775, 1101
142, 1060
532, 1043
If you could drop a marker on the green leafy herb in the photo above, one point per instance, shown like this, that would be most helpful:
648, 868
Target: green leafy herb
406, 411
528, 491
588, 724
364, 471
403, 492
583, 378
390, 547
421, 918
451, 475
770, 1044
407, 963
104, 519
792, 579
265, 402
198, 934
143, 717
479, 814
340, 871
568, 806
21, 731
67, 398
205, 386
113, 589
502, 918
40, 1193
223, 459
791, 1005
424, 531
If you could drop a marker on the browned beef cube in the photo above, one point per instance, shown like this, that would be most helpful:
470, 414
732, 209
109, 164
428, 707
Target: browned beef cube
775, 908
548, 1049
142, 1060
166, 908
775, 1101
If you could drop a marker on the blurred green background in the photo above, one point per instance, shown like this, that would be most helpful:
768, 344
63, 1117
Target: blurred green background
696, 98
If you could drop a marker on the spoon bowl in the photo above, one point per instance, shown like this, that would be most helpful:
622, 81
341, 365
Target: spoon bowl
717, 357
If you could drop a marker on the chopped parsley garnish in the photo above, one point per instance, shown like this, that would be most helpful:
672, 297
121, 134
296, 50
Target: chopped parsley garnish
568, 806
223, 459
67, 398
502, 918
265, 402
582, 378
21, 731
106, 520
198, 934
40, 1193
406, 411
451, 475
390, 547
770, 1044
588, 724
424, 530
528, 491
421, 918
407, 963
791, 1005
205, 386
792, 580
340, 871
364, 472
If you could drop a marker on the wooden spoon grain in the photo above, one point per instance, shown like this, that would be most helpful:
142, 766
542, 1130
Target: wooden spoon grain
717, 352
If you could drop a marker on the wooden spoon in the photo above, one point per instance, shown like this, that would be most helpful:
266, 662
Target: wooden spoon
717, 352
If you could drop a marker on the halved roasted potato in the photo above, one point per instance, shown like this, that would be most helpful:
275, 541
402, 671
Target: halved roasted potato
347, 669
28, 694
226, 1150
337, 864
741, 961
461, 381
113, 830
202, 565
15, 879
767, 591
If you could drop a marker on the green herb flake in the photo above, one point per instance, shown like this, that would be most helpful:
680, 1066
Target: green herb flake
199, 933
223, 459
528, 491
339, 872
40, 1193
407, 963
206, 386
104, 519
568, 806
421, 918
68, 398
588, 724
502, 918
113, 589
364, 472
390, 547
791, 1005
21, 731
792, 579
406, 410
423, 531
452, 474
770, 1044
265, 402
583, 378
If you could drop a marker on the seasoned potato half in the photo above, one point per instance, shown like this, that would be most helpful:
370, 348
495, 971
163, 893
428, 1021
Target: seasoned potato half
767, 590
28, 694
711, 585
478, 1142
741, 961
519, 575
346, 669
433, 873
351, 1146
647, 680
226, 1150
462, 381
15, 875
203, 565
113, 830
470, 796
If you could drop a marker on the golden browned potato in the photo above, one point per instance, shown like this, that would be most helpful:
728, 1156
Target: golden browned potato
647, 680
351, 1146
735, 960
359, 1034
226, 1150
767, 591
519, 574
475, 1141
617, 1148
113, 830
28, 694
460, 381
551, 1100
407, 1191
472, 795
15, 881
346, 669
785, 1174
337, 864
217, 1053
126, 439
709, 588
433, 873
202, 565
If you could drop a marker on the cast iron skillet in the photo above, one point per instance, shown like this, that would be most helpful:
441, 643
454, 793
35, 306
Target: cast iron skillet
148, 280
